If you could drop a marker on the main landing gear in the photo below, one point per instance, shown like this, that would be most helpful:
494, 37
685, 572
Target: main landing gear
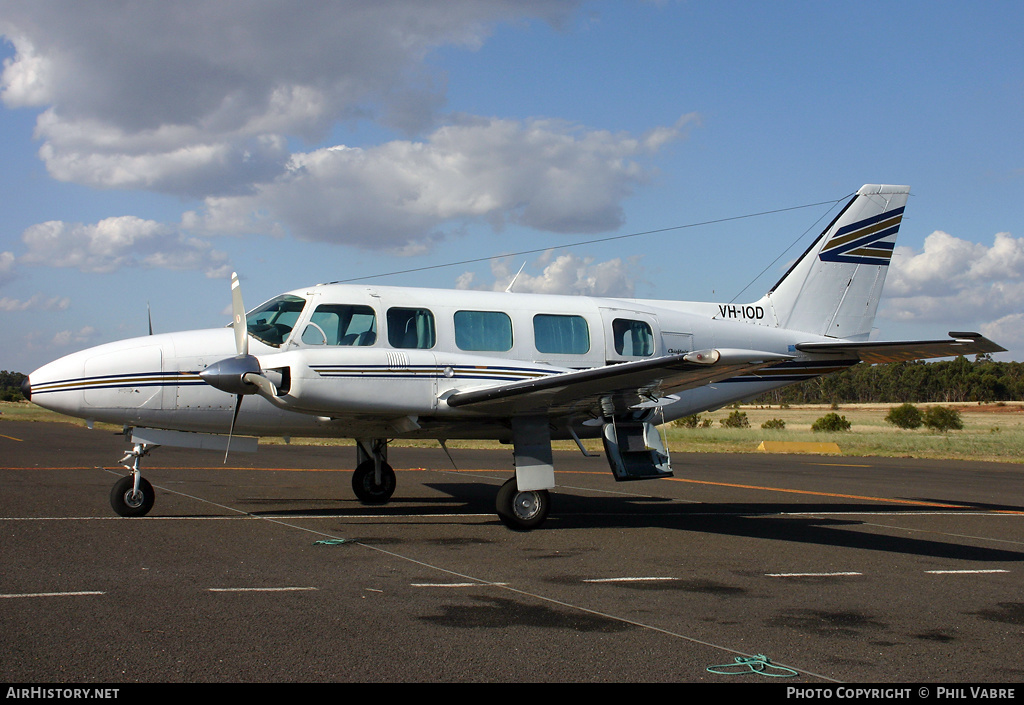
374, 482
133, 495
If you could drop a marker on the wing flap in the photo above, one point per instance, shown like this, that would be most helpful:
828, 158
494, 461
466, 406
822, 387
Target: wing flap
603, 391
875, 352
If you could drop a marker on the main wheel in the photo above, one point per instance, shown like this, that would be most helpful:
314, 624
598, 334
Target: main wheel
366, 489
129, 503
522, 511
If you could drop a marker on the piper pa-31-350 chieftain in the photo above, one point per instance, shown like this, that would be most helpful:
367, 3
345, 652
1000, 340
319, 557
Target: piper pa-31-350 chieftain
383, 363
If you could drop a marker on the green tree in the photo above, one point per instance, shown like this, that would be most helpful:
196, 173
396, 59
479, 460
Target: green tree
943, 419
831, 422
10, 386
737, 419
905, 416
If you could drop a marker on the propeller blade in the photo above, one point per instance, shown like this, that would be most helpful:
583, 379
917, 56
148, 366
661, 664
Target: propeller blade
231, 429
238, 317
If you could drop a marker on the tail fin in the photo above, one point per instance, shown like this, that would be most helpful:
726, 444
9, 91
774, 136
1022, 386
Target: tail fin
834, 288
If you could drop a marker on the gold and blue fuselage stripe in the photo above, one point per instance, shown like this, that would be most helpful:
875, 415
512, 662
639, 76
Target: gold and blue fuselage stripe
138, 379
487, 372
191, 378
864, 242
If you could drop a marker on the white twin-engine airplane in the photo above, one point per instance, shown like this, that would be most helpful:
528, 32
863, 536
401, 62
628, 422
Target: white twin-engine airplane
382, 363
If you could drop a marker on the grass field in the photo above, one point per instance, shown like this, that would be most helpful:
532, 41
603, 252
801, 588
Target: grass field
991, 432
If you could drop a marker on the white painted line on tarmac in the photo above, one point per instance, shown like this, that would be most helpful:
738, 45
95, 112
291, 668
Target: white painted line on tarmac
52, 594
638, 579
457, 585
965, 572
811, 575
261, 589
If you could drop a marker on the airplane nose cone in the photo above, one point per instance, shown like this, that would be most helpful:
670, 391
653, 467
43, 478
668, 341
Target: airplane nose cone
26, 388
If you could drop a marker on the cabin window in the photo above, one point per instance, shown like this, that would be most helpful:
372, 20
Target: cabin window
341, 324
273, 321
483, 331
632, 338
561, 335
411, 328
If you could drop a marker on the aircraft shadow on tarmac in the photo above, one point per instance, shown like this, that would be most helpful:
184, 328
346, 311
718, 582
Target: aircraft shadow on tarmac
791, 522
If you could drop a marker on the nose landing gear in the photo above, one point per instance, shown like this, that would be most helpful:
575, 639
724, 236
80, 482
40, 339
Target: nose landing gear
133, 495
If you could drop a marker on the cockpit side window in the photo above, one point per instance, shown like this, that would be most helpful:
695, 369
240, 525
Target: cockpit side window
411, 328
272, 322
341, 324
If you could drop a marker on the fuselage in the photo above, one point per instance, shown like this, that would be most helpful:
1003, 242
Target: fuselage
363, 361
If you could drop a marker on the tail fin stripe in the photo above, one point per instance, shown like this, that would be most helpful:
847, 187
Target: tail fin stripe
872, 240
873, 219
862, 243
887, 221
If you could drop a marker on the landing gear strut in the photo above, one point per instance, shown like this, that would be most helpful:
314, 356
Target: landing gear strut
373, 480
133, 495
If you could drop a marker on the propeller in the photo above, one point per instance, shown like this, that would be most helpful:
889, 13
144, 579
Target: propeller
241, 374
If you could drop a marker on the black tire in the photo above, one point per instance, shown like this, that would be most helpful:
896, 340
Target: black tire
522, 511
367, 490
126, 503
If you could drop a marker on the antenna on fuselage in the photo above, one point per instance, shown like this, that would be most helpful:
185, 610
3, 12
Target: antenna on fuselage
508, 289
149, 315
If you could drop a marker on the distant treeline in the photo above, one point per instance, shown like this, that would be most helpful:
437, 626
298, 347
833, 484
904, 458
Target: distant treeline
947, 382
10, 385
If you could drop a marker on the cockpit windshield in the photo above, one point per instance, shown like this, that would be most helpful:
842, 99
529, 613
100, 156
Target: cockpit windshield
273, 321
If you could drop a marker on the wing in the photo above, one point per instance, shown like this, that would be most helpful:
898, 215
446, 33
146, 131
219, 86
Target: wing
612, 389
902, 351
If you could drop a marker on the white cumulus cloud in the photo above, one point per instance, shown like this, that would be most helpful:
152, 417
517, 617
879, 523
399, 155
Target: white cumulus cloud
197, 98
563, 274
543, 174
215, 102
951, 279
124, 241
37, 302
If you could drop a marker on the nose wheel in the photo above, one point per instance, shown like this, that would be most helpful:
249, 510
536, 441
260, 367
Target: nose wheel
129, 501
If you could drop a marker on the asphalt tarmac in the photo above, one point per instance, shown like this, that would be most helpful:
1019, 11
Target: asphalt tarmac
268, 570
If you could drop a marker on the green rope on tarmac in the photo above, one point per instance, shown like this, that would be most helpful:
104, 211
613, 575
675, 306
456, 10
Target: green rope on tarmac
331, 542
752, 664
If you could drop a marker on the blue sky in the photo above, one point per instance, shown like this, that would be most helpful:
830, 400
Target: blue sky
149, 150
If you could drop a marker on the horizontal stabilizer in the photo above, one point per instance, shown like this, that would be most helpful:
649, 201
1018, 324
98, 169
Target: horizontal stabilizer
902, 351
